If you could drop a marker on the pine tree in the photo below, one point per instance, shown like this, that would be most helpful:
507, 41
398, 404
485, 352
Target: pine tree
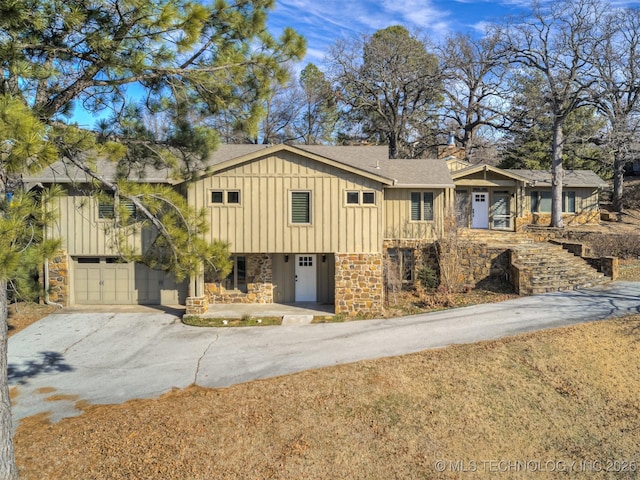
181, 60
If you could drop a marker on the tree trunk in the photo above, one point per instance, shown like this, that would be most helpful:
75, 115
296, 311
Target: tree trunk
8, 469
393, 145
618, 181
557, 174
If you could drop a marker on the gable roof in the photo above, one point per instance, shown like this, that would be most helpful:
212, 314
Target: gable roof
229, 156
513, 174
369, 161
572, 178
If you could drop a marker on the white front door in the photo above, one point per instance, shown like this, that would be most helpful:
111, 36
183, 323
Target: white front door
306, 278
480, 210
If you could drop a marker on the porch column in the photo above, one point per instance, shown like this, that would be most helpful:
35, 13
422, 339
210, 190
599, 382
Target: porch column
197, 302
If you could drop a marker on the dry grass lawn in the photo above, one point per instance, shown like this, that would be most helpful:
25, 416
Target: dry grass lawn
555, 396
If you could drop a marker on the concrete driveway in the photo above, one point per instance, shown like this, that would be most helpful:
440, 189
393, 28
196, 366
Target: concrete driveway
113, 357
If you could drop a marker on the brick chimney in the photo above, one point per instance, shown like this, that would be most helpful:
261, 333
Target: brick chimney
450, 150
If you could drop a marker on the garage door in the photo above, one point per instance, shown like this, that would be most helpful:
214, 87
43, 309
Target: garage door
103, 281
157, 287
108, 281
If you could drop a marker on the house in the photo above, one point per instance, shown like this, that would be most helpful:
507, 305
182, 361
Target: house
304, 224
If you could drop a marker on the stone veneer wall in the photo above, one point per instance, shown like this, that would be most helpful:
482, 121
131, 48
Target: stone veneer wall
359, 284
586, 217
479, 262
59, 279
259, 284
196, 305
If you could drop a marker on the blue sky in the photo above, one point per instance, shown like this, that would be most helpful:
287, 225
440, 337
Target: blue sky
322, 22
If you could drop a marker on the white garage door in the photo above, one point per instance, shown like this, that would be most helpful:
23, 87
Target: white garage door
107, 281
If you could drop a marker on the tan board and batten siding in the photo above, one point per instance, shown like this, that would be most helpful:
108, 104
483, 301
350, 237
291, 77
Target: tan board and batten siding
83, 233
397, 211
261, 222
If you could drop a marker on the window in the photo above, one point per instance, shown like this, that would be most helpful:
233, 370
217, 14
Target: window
421, 206
88, 260
233, 197
541, 201
217, 196
305, 261
368, 198
402, 258
237, 279
229, 197
106, 209
353, 198
301, 207
569, 202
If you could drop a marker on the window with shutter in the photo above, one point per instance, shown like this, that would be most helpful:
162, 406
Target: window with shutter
427, 206
300, 207
105, 210
415, 206
421, 206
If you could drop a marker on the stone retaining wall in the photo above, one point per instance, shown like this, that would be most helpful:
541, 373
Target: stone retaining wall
478, 263
359, 285
586, 217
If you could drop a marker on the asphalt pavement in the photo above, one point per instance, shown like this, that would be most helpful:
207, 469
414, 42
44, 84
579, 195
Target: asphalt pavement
105, 358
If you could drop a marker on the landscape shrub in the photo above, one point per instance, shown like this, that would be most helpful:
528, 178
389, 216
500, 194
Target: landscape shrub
614, 245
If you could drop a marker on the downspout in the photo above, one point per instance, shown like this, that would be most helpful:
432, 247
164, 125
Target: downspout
47, 301
46, 286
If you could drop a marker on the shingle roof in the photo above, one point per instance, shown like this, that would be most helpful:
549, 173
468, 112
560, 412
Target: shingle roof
375, 159
371, 159
572, 178
62, 172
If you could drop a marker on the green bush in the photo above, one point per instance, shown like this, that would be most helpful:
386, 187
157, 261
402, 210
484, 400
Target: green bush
427, 277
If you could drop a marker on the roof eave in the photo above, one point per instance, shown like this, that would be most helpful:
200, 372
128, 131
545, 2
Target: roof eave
423, 185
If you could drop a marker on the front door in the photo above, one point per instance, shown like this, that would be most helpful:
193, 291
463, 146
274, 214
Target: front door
306, 278
480, 210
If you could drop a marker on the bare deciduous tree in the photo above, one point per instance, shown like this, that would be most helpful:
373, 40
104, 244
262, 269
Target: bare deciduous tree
557, 42
617, 93
474, 72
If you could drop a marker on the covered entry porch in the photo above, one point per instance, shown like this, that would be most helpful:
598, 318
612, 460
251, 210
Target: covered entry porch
488, 198
275, 278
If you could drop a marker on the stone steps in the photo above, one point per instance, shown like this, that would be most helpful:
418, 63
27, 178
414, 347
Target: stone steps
493, 237
542, 266
545, 267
